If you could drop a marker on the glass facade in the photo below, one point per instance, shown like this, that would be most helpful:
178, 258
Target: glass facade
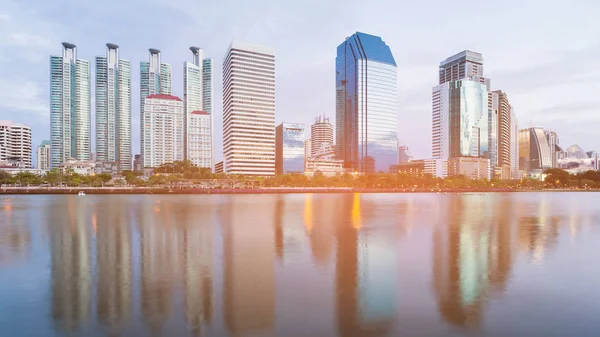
469, 119
366, 104
289, 148
534, 150
70, 113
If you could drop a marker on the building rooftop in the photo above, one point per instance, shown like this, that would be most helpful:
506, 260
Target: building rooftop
465, 54
252, 47
161, 96
68, 45
112, 46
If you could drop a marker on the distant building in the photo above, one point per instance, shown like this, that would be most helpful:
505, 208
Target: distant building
249, 109
552, 138
327, 167
471, 167
83, 167
534, 151
163, 134
307, 149
70, 111
574, 151
436, 167
289, 148
366, 104
414, 168
109, 167
15, 143
501, 106
403, 154
138, 164
320, 132
515, 173
42, 154
219, 167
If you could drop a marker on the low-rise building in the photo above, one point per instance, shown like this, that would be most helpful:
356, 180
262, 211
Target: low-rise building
327, 167
83, 167
471, 167
219, 167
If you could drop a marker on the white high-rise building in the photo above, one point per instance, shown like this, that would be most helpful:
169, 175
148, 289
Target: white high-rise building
163, 134
42, 154
70, 115
15, 143
155, 78
198, 121
249, 109
462, 115
113, 108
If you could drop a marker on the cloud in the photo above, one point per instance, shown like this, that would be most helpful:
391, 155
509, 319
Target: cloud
23, 96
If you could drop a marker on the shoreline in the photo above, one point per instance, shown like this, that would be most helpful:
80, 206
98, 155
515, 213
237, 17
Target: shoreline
276, 190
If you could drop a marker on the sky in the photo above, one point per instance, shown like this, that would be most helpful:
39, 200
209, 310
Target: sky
544, 54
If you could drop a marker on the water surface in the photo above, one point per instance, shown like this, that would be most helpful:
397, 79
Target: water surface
513, 264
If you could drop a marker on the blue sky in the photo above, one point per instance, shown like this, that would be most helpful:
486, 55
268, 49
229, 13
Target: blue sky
545, 55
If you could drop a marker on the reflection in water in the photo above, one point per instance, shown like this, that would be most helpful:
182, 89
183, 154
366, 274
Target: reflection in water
211, 265
362, 301
70, 251
15, 237
113, 256
471, 253
249, 278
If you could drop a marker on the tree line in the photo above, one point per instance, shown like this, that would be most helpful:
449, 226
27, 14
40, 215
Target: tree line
184, 173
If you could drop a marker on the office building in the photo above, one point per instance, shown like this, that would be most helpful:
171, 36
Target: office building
534, 151
403, 154
289, 148
155, 79
113, 109
249, 110
320, 132
502, 114
70, 114
15, 144
198, 140
514, 146
163, 134
42, 154
366, 104
554, 146
462, 115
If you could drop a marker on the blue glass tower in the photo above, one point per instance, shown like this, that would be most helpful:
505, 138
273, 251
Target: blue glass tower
366, 104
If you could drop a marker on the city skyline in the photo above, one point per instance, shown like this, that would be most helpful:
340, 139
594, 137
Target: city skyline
535, 84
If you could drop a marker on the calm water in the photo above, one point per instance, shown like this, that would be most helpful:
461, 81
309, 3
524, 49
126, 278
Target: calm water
518, 264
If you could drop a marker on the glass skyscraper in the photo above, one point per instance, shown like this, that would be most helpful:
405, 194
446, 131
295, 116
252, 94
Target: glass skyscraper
70, 114
462, 110
155, 78
289, 148
113, 108
366, 104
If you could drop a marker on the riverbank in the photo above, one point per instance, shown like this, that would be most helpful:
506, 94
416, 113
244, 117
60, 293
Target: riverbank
272, 190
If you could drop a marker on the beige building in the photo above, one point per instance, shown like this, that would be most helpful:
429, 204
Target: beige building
471, 167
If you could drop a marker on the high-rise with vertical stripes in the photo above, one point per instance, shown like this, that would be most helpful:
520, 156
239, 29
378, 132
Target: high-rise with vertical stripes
249, 110
197, 101
70, 115
155, 78
113, 108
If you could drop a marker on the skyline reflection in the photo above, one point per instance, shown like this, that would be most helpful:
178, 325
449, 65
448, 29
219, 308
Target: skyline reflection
277, 264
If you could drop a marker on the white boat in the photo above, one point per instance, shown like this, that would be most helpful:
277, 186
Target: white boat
81, 193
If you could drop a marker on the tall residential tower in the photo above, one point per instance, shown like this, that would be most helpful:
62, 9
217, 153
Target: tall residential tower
197, 101
249, 109
155, 78
366, 104
70, 116
321, 133
113, 108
